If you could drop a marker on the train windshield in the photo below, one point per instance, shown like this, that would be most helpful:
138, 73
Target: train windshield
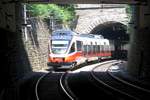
60, 46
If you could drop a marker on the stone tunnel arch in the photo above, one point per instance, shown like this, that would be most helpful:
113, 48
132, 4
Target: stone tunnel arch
116, 32
111, 30
90, 18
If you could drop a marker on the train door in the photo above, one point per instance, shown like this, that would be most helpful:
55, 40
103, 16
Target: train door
79, 46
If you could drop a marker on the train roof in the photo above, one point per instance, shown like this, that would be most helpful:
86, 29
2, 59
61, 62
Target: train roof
92, 36
63, 32
72, 33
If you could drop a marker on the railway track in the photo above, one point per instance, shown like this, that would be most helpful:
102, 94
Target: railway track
120, 88
98, 83
84, 87
59, 79
49, 87
65, 87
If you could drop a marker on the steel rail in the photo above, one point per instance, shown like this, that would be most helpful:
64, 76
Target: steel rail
107, 85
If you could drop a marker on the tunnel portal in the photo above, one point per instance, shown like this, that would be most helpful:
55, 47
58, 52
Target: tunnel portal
117, 34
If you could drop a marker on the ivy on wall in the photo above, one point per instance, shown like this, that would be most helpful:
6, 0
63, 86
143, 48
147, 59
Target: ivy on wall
63, 13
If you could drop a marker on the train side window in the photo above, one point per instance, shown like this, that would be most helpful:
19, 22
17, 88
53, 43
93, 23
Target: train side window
89, 48
79, 45
97, 48
94, 49
105, 46
108, 48
85, 49
72, 49
102, 48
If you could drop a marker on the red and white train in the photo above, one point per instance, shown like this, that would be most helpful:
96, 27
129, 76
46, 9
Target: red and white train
68, 49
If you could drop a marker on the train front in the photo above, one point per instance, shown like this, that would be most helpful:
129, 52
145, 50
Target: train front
60, 42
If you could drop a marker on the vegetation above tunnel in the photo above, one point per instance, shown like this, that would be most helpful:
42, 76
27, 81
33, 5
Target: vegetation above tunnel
63, 13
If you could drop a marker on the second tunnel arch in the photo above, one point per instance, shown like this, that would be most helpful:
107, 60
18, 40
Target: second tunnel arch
116, 32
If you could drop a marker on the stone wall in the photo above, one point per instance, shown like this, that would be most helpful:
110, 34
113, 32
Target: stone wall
36, 43
139, 52
14, 61
90, 18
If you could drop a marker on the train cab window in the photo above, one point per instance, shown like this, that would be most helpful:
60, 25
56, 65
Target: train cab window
72, 49
59, 46
79, 45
